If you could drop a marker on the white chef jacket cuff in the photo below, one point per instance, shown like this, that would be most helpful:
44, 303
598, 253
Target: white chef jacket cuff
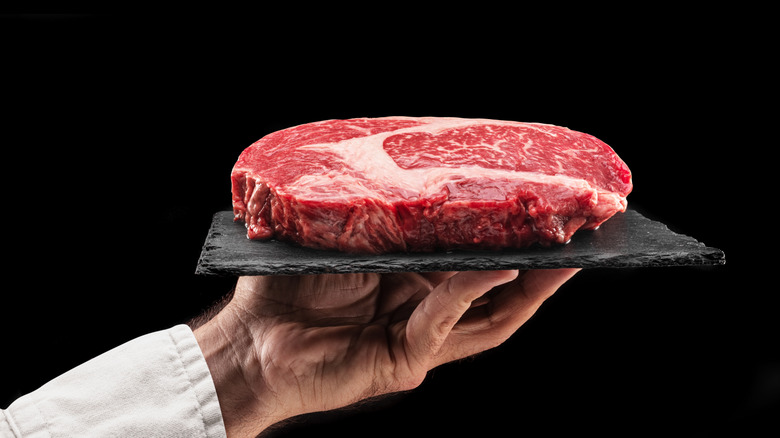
156, 385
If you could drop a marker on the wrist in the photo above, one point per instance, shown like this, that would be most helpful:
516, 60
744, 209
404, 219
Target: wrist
228, 347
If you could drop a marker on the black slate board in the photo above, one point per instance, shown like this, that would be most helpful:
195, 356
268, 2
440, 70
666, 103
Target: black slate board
626, 240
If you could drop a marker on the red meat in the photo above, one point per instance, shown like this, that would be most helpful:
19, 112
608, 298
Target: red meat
426, 183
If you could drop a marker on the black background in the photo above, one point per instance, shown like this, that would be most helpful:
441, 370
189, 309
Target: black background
120, 132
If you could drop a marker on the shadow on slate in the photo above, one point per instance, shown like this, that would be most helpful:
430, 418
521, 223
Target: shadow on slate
627, 240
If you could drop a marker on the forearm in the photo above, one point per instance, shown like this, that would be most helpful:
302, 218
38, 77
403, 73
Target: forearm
247, 406
150, 385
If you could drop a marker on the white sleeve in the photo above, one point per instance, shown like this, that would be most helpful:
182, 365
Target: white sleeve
157, 385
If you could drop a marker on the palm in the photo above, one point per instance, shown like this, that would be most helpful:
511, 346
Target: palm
326, 341
335, 337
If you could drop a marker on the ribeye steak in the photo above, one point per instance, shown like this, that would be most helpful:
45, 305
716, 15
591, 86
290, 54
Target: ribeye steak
377, 185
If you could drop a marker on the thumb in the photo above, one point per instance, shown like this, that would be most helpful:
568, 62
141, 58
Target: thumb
433, 319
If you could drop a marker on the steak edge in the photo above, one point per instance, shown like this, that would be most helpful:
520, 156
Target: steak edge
416, 184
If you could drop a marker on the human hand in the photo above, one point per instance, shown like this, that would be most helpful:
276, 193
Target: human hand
288, 345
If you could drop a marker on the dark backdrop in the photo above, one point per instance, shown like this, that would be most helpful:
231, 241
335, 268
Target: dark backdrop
120, 132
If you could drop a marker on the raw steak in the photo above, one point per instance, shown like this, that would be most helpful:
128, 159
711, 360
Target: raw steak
376, 185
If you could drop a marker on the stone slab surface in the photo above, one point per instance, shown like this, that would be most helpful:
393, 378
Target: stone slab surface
626, 240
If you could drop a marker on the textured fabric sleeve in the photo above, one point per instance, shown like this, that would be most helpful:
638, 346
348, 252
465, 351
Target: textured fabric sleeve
157, 385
